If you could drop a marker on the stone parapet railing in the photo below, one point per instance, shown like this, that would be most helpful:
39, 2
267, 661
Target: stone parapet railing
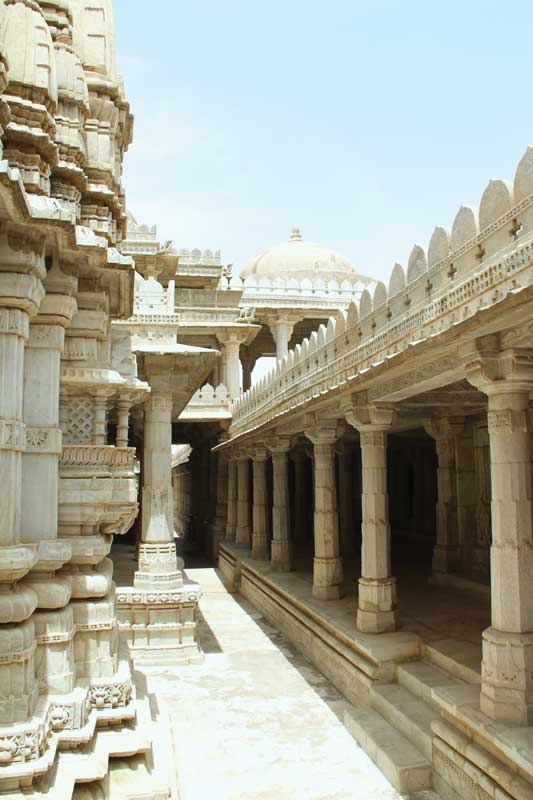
263, 291
488, 254
198, 258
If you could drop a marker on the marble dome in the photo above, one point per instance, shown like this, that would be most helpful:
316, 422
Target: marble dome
299, 259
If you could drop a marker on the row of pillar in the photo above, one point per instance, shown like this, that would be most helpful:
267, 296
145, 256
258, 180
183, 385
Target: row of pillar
507, 668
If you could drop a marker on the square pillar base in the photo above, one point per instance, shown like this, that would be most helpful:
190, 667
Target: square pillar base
507, 676
376, 612
446, 558
281, 558
259, 548
327, 578
160, 625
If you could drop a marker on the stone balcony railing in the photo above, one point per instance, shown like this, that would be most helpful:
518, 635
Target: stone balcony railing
80, 458
487, 255
318, 293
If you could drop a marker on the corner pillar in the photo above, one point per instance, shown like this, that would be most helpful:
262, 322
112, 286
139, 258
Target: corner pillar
507, 665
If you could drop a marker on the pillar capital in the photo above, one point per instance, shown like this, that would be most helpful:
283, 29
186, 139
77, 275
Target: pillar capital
371, 417
323, 434
497, 372
278, 444
259, 453
444, 427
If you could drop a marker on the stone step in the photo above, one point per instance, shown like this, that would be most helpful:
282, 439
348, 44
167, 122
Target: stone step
421, 678
461, 660
401, 763
127, 779
407, 713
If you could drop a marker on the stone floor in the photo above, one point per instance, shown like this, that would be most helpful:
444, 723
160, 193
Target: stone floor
255, 721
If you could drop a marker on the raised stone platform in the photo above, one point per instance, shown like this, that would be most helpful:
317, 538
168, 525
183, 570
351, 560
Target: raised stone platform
414, 694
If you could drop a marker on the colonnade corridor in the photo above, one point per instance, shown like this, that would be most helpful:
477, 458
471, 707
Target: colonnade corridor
255, 720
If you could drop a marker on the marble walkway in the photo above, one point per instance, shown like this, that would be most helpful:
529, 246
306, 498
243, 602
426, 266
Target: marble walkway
255, 721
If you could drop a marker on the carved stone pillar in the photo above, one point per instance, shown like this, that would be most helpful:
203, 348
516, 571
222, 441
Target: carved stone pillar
466, 495
158, 613
54, 621
101, 399
507, 667
123, 413
219, 525
260, 511
446, 552
376, 612
327, 563
299, 459
21, 293
346, 504
282, 331
248, 363
232, 369
158, 523
242, 533
483, 521
281, 546
231, 523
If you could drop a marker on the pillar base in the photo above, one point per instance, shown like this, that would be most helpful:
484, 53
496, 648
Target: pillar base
259, 548
376, 612
327, 578
446, 558
281, 558
159, 567
242, 536
160, 625
507, 676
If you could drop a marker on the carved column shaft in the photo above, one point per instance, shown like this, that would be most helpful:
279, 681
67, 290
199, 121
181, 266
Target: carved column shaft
233, 372
507, 668
157, 553
281, 555
327, 563
346, 502
242, 534
300, 496
123, 414
446, 552
100, 419
231, 524
260, 511
54, 621
376, 611
14, 330
219, 526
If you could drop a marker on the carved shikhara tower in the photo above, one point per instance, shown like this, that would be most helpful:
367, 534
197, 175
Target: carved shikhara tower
67, 485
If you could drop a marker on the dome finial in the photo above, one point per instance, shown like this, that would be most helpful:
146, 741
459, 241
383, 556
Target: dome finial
296, 236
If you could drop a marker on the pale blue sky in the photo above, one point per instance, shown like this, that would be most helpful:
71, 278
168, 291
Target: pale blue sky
365, 123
